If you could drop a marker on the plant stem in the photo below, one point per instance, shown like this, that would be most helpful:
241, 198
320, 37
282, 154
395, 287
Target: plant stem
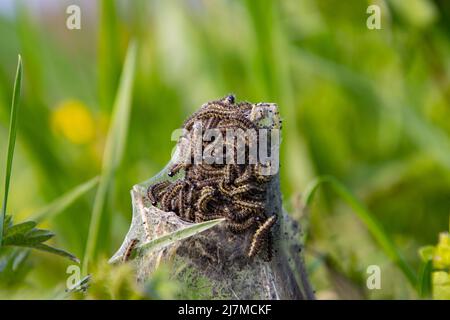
11, 141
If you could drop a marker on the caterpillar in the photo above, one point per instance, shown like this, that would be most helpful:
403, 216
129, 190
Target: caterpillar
260, 235
246, 176
205, 196
238, 215
260, 175
153, 189
175, 169
129, 250
238, 227
208, 182
250, 205
169, 194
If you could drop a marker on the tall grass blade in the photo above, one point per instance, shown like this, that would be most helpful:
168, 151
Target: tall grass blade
369, 220
11, 141
114, 149
177, 235
60, 204
425, 285
108, 53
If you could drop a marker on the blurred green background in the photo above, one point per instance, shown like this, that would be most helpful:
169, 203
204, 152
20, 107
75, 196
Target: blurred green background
368, 107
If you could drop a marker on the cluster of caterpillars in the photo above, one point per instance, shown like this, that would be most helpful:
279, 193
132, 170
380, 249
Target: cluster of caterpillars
233, 191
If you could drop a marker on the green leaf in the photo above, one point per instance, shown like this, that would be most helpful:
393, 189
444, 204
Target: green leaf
114, 148
38, 236
369, 220
11, 141
20, 228
60, 252
15, 240
27, 237
178, 235
62, 203
425, 279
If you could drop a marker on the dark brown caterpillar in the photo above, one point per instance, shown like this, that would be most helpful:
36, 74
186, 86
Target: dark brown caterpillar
237, 215
175, 169
250, 205
154, 189
239, 227
169, 194
208, 182
129, 250
206, 195
207, 170
260, 175
246, 176
201, 217
261, 235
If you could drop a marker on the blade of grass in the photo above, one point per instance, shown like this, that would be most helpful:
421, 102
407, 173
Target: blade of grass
424, 284
11, 141
113, 153
369, 220
108, 53
179, 235
172, 237
60, 204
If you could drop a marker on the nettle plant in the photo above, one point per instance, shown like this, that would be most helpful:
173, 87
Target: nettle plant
16, 240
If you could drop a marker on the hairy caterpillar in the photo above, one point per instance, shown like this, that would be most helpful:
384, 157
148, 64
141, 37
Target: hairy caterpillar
261, 235
129, 250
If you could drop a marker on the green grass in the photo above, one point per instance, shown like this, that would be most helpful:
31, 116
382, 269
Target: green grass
11, 142
113, 153
21, 235
372, 224
172, 237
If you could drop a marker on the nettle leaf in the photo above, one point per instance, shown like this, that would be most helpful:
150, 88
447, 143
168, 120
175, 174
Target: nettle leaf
38, 236
20, 228
26, 235
59, 252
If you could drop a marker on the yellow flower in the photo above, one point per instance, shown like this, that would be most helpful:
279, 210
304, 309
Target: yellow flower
441, 285
441, 257
73, 120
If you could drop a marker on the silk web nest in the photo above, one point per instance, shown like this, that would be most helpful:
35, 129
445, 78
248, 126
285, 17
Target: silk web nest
191, 191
